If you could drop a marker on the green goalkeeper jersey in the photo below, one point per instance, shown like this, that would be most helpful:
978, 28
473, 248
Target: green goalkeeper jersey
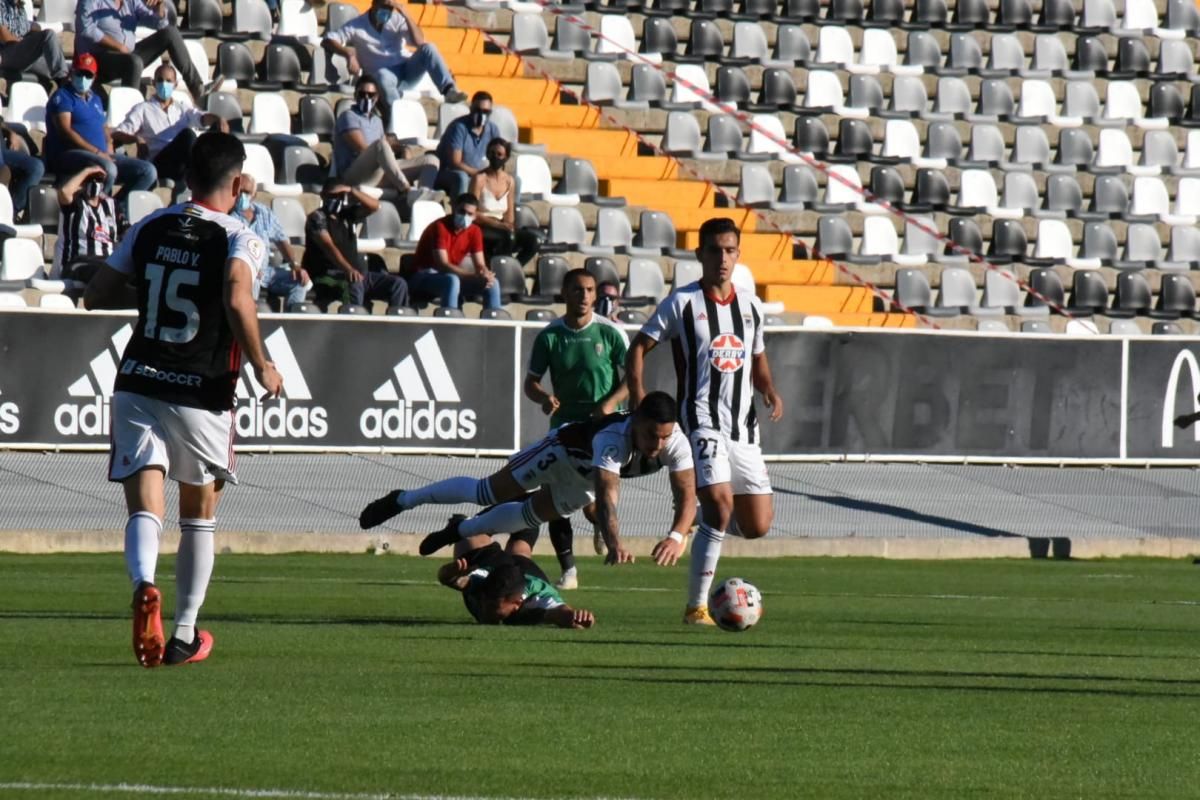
584, 364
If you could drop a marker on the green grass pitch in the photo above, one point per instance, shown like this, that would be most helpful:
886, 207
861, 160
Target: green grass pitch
357, 676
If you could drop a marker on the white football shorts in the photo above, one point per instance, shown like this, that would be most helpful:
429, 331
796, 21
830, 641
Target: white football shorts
545, 463
718, 460
192, 445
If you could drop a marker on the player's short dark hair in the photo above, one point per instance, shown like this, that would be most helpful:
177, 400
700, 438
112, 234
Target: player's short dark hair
716, 226
216, 156
574, 274
658, 407
466, 199
505, 580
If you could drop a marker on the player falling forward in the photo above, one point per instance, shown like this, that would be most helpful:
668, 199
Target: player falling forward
569, 468
715, 329
507, 587
585, 354
192, 267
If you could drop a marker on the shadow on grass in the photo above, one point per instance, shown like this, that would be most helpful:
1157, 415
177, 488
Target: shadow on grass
793, 679
402, 622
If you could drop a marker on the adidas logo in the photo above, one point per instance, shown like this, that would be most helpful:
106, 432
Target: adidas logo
275, 418
92, 418
10, 418
417, 392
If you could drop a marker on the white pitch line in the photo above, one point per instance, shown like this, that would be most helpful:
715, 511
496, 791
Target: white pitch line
223, 791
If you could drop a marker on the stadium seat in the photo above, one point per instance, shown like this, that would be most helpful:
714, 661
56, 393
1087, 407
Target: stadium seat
655, 235
767, 137
645, 280
686, 272
1133, 296
27, 105
549, 275
22, 261
204, 17
798, 191
1176, 297
492, 313
338, 14
30, 231
12, 300
511, 276
603, 270
291, 217
142, 204
251, 18
567, 227
613, 233
616, 37
533, 174
121, 100
281, 66
659, 40
407, 123
423, 213
269, 114
298, 20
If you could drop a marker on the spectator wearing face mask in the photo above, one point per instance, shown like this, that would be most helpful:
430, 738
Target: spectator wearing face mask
331, 250
362, 153
449, 261
77, 135
377, 42
497, 193
462, 152
164, 126
280, 274
25, 46
87, 226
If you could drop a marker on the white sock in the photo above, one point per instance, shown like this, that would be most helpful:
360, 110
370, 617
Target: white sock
706, 552
142, 532
193, 568
449, 492
504, 518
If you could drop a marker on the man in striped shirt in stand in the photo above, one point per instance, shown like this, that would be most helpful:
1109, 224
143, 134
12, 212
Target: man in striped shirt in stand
87, 226
715, 330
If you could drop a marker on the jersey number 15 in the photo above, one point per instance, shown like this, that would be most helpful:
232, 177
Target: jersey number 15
157, 293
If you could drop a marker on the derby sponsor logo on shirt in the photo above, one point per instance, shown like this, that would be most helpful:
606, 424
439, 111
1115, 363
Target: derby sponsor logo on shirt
411, 412
727, 353
292, 415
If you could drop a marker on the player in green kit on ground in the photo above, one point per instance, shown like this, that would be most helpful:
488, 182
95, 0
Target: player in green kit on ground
584, 354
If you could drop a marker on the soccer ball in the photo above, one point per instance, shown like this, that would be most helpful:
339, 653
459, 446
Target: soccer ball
736, 605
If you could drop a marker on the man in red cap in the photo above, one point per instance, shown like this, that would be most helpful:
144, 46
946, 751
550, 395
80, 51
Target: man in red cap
77, 135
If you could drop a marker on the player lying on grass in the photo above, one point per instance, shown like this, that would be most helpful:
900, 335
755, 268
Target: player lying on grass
572, 466
507, 587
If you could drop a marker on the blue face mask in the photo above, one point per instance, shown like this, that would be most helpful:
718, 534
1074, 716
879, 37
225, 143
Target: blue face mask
242, 203
462, 220
164, 90
382, 16
82, 83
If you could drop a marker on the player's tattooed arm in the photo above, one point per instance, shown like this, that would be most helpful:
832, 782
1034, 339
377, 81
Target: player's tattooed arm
683, 494
608, 489
455, 574
760, 376
109, 289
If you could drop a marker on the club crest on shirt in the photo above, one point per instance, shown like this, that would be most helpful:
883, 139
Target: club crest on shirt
255, 247
599, 348
727, 353
609, 453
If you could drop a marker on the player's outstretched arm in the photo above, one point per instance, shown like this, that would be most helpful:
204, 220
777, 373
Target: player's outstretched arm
760, 376
242, 312
683, 494
109, 289
567, 617
635, 367
1188, 420
608, 490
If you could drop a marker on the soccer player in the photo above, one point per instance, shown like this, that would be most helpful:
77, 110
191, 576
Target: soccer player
507, 587
570, 467
716, 335
585, 355
192, 267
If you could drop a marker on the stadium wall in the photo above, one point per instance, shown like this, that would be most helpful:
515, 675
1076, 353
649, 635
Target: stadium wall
452, 386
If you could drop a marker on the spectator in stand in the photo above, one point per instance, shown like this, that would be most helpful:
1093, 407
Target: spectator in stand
377, 43
280, 274
77, 135
19, 171
362, 153
23, 44
87, 226
163, 127
449, 261
106, 29
331, 249
497, 193
462, 152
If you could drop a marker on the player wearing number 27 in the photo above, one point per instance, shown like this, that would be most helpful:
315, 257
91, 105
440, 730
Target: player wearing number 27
192, 267
715, 330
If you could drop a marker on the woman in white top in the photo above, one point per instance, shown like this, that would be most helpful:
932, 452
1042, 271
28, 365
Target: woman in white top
497, 193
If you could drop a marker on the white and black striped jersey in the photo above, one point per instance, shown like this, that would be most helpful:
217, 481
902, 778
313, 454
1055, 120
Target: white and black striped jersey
85, 231
713, 342
606, 443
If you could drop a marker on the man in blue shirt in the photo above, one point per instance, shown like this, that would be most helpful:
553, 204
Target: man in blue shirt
378, 42
23, 44
106, 29
362, 153
462, 152
77, 135
282, 275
